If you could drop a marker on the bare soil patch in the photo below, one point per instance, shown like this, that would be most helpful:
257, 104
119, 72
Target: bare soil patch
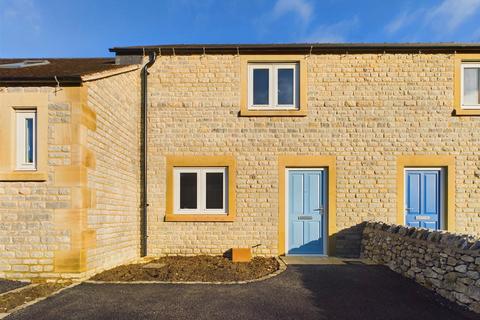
12, 300
196, 268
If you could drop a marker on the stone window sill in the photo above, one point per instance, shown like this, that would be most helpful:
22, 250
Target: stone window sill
24, 176
199, 218
273, 113
467, 112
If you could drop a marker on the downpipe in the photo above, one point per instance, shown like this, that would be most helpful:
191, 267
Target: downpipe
144, 157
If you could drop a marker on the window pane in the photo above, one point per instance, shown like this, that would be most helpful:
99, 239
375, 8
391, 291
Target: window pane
214, 190
260, 86
470, 86
29, 140
188, 190
285, 86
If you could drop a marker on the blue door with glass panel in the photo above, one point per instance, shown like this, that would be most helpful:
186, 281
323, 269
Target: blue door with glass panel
306, 211
423, 198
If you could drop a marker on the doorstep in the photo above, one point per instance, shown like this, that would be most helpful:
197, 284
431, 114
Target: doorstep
316, 260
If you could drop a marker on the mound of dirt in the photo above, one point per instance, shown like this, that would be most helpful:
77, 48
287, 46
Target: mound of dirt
195, 268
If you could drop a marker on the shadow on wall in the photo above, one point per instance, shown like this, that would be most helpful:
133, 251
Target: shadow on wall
228, 254
347, 242
344, 244
360, 291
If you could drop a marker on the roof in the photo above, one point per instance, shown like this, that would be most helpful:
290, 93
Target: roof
315, 48
71, 71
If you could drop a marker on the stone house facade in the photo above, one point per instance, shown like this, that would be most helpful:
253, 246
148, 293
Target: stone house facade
233, 132
74, 213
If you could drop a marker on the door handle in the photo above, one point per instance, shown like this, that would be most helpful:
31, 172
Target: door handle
318, 209
408, 209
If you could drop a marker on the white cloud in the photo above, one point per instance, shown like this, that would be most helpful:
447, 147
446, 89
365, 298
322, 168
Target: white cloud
23, 13
331, 33
450, 14
305, 30
445, 17
302, 8
401, 21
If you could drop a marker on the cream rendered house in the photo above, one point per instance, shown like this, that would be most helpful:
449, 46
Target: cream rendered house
196, 149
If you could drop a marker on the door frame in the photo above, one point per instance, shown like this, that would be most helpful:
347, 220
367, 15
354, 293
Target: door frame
293, 162
442, 192
324, 223
428, 161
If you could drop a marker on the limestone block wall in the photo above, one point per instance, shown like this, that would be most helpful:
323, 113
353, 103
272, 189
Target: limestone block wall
364, 109
79, 212
446, 263
115, 179
41, 230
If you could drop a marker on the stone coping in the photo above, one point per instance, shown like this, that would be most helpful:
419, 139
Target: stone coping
281, 268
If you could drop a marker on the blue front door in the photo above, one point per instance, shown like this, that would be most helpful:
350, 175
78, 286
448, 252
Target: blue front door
306, 211
423, 198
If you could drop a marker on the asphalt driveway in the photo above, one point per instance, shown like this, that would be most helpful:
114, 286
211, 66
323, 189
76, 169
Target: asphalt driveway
302, 292
7, 285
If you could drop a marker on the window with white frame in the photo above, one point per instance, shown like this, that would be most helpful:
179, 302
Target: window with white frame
200, 190
470, 85
26, 139
273, 86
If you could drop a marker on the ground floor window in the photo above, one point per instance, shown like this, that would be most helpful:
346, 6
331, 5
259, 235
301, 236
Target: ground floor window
200, 190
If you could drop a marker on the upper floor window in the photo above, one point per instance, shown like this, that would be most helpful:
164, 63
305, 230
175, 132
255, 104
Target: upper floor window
470, 85
26, 139
273, 86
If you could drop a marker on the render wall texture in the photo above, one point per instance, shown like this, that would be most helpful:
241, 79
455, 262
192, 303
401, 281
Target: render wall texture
446, 263
364, 109
115, 180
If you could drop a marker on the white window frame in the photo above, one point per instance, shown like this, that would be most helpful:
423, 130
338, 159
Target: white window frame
273, 85
21, 144
201, 189
467, 65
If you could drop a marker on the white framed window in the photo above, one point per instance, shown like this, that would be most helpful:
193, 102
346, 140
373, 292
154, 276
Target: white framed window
200, 190
26, 139
470, 83
273, 86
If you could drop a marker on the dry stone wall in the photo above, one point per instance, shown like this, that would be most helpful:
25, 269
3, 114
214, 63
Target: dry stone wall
446, 263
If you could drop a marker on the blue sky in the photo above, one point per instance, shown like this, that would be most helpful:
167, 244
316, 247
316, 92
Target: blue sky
87, 28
